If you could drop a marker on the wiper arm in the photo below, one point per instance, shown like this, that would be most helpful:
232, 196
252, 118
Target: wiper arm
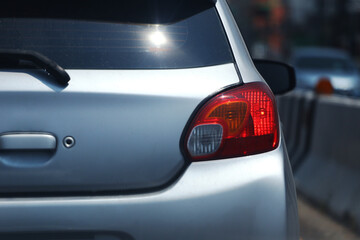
39, 60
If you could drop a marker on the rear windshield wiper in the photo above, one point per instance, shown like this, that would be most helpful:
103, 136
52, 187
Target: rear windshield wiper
10, 57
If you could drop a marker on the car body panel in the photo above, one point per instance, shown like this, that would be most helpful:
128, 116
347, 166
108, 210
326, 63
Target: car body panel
250, 197
238, 198
132, 116
247, 71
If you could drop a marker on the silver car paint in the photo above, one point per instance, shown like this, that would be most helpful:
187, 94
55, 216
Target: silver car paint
184, 83
241, 198
247, 70
119, 120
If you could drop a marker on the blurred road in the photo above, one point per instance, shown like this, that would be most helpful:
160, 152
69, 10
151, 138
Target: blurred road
315, 225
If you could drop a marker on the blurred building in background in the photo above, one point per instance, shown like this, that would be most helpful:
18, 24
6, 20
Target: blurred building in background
263, 25
272, 28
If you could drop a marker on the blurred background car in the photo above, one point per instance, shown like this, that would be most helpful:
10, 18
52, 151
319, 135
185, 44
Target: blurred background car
313, 64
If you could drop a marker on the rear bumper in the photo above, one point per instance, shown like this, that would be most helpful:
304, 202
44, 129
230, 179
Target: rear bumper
239, 198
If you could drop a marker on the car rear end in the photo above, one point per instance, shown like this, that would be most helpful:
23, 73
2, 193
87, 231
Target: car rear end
335, 66
165, 130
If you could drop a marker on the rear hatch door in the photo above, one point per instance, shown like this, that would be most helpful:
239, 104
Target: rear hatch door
133, 88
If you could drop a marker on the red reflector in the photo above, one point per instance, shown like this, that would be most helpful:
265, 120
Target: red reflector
248, 117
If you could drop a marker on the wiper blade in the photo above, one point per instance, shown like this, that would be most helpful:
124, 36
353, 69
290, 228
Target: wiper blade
39, 60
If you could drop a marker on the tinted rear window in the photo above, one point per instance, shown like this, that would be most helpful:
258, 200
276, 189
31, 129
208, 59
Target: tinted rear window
324, 63
153, 38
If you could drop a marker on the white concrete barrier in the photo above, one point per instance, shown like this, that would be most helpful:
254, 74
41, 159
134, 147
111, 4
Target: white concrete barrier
295, 123
304, 126
330, 173
296, 111
285, 108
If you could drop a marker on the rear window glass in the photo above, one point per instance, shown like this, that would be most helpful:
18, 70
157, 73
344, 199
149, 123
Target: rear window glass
324, 63
193, 39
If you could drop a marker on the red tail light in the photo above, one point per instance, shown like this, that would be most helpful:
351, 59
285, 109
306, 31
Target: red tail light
238, 122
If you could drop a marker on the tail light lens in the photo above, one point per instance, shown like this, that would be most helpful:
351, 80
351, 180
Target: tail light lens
238, 122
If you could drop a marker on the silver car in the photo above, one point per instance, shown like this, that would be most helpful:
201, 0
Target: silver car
138, 120
315, 63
